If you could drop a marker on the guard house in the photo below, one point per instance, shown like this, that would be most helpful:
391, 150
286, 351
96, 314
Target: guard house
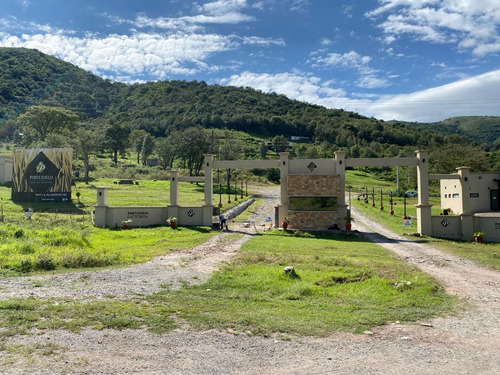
470, 193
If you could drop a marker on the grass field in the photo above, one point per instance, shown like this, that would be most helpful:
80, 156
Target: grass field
341, 283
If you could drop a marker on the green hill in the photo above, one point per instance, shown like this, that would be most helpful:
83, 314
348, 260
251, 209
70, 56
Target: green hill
480, 128
29, 77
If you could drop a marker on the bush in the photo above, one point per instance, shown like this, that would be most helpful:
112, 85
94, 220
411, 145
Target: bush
25, 266
45, 262
84, 260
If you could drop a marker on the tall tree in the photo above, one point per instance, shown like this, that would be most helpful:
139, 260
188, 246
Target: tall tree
147, 148
191, 144
116, 140
166, 151
38, 122
87, 141
136, 139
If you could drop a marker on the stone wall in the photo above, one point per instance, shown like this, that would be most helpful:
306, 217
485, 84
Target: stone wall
314, 185
315, 219
310, 185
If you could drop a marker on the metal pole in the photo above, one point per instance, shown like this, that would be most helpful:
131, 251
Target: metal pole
349, 211
235, 192
246, 188
392, 202
373, 197
228, 188
241, 191
381, 201
220, 195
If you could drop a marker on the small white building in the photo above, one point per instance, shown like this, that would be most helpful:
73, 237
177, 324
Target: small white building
470, 193
5, 168
474, 201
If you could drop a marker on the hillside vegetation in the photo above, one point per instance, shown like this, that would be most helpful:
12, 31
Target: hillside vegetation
29, 78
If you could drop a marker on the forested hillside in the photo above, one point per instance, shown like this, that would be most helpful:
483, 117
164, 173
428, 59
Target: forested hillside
29, 78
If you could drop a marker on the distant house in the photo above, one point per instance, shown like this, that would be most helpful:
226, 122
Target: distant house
5, 168
296, 138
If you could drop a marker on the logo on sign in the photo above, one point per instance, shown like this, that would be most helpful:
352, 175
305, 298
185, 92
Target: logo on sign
445, 223
191, 213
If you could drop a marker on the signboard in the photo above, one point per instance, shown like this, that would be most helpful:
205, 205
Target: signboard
407, 223
42, 175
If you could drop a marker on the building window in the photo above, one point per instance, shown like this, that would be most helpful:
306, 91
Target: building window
455, 195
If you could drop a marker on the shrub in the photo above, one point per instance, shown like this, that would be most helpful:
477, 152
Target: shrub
25, 265
45, 262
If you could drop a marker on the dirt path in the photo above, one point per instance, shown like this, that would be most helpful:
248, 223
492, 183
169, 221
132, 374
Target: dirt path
467, 344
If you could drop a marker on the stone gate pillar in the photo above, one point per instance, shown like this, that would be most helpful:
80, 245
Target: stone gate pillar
340, 170
173, 207
209, 188
424, 223
283, 207
101, 207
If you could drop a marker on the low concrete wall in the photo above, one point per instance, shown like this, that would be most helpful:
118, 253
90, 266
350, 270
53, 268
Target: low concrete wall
112, 217
447, 226
490, 225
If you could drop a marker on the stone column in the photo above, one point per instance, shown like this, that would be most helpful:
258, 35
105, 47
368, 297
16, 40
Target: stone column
424, 224
340, 170
209, 179
284, 168
101, 207
209, 188
174, 188
173, 207
464, 172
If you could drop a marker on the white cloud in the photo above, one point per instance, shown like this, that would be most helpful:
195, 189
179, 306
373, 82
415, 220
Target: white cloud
217, 12
264, 42
300, 6
295, 85
430, 105
477, 95
136, 55
351, 60
470, 24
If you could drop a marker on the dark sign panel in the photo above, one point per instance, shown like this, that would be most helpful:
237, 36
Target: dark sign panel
42, 175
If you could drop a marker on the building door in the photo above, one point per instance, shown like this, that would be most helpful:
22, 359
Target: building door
495, 200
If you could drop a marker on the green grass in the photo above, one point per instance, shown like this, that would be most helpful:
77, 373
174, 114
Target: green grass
342, 284
37, 248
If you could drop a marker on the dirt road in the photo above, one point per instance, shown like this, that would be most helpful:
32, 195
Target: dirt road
465, 344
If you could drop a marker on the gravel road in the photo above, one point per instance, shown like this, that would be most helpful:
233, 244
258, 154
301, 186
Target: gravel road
465, 344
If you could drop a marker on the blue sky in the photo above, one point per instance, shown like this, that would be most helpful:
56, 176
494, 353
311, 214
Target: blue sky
412, 60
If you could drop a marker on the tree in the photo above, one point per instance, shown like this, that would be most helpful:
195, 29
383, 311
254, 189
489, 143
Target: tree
191, 144
280, 143
87, 141
38, 122
147, 148
446, 159
136, 139
116, 137
166, 151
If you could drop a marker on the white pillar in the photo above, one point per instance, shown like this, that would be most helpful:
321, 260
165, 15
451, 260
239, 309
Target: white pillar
101, 207
424, 224
209, 189
340, 170
209, 179
174, 188
284, 167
